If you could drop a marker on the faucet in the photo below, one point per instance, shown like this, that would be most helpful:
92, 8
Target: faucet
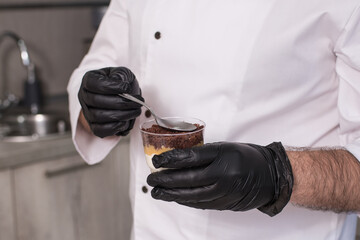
32, 93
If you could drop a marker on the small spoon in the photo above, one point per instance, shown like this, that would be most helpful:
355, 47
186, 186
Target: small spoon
171, 124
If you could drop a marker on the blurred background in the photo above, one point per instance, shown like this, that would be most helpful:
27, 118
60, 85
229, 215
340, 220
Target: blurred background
47, 192
57, 34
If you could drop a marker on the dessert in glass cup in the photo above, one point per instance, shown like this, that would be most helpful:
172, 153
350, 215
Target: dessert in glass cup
157, 140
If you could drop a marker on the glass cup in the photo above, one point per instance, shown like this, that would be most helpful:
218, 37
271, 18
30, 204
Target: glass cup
157, 140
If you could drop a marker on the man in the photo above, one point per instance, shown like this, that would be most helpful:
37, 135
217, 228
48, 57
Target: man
277, 83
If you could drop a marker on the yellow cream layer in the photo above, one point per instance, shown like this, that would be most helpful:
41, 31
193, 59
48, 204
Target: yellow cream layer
150, 150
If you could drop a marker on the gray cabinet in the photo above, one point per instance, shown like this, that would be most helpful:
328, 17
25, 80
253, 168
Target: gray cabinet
7, 220
66, 199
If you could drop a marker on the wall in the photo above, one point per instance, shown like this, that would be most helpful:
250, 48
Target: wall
57, 40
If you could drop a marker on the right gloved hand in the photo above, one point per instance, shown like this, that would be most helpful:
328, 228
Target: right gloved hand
107, 113
225, 176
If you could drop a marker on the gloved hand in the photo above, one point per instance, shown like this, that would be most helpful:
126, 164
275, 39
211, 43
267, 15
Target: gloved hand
225, 176
107, 113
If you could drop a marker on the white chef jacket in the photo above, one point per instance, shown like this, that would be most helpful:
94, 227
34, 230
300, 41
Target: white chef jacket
255, 71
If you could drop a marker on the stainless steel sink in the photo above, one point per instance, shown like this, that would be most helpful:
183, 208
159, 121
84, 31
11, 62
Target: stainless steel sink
32, 127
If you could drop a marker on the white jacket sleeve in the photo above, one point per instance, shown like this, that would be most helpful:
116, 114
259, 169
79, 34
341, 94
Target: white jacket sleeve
347, 51
109, 49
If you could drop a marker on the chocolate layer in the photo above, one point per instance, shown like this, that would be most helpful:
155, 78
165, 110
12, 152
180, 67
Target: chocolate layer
179, 140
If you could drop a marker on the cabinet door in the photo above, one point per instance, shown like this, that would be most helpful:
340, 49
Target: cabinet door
66, 199
7, 220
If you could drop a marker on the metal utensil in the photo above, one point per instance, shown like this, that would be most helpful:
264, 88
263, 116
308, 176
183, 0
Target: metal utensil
171, 124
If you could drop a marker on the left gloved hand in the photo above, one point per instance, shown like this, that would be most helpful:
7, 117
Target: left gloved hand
225, 176
107, 113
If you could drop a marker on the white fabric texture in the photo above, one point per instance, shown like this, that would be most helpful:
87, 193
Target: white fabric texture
255, 71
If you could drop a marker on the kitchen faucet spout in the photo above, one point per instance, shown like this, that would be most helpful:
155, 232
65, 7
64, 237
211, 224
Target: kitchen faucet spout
32, 92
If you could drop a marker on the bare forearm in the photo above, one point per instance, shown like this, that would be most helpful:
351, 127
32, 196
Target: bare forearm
326, 179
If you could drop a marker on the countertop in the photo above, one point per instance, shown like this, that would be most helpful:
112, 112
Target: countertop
15, 154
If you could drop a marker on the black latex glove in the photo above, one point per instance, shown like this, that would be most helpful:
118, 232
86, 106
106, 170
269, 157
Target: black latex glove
107, 113
225, 176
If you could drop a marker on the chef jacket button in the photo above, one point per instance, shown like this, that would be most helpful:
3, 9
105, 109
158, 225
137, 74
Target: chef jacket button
144, 189
157, 35
147, 113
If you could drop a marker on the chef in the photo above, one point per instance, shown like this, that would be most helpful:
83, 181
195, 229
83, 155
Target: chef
277, 83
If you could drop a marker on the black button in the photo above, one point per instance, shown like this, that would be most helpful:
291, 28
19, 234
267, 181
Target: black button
157, 35
144, 189
147, 113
